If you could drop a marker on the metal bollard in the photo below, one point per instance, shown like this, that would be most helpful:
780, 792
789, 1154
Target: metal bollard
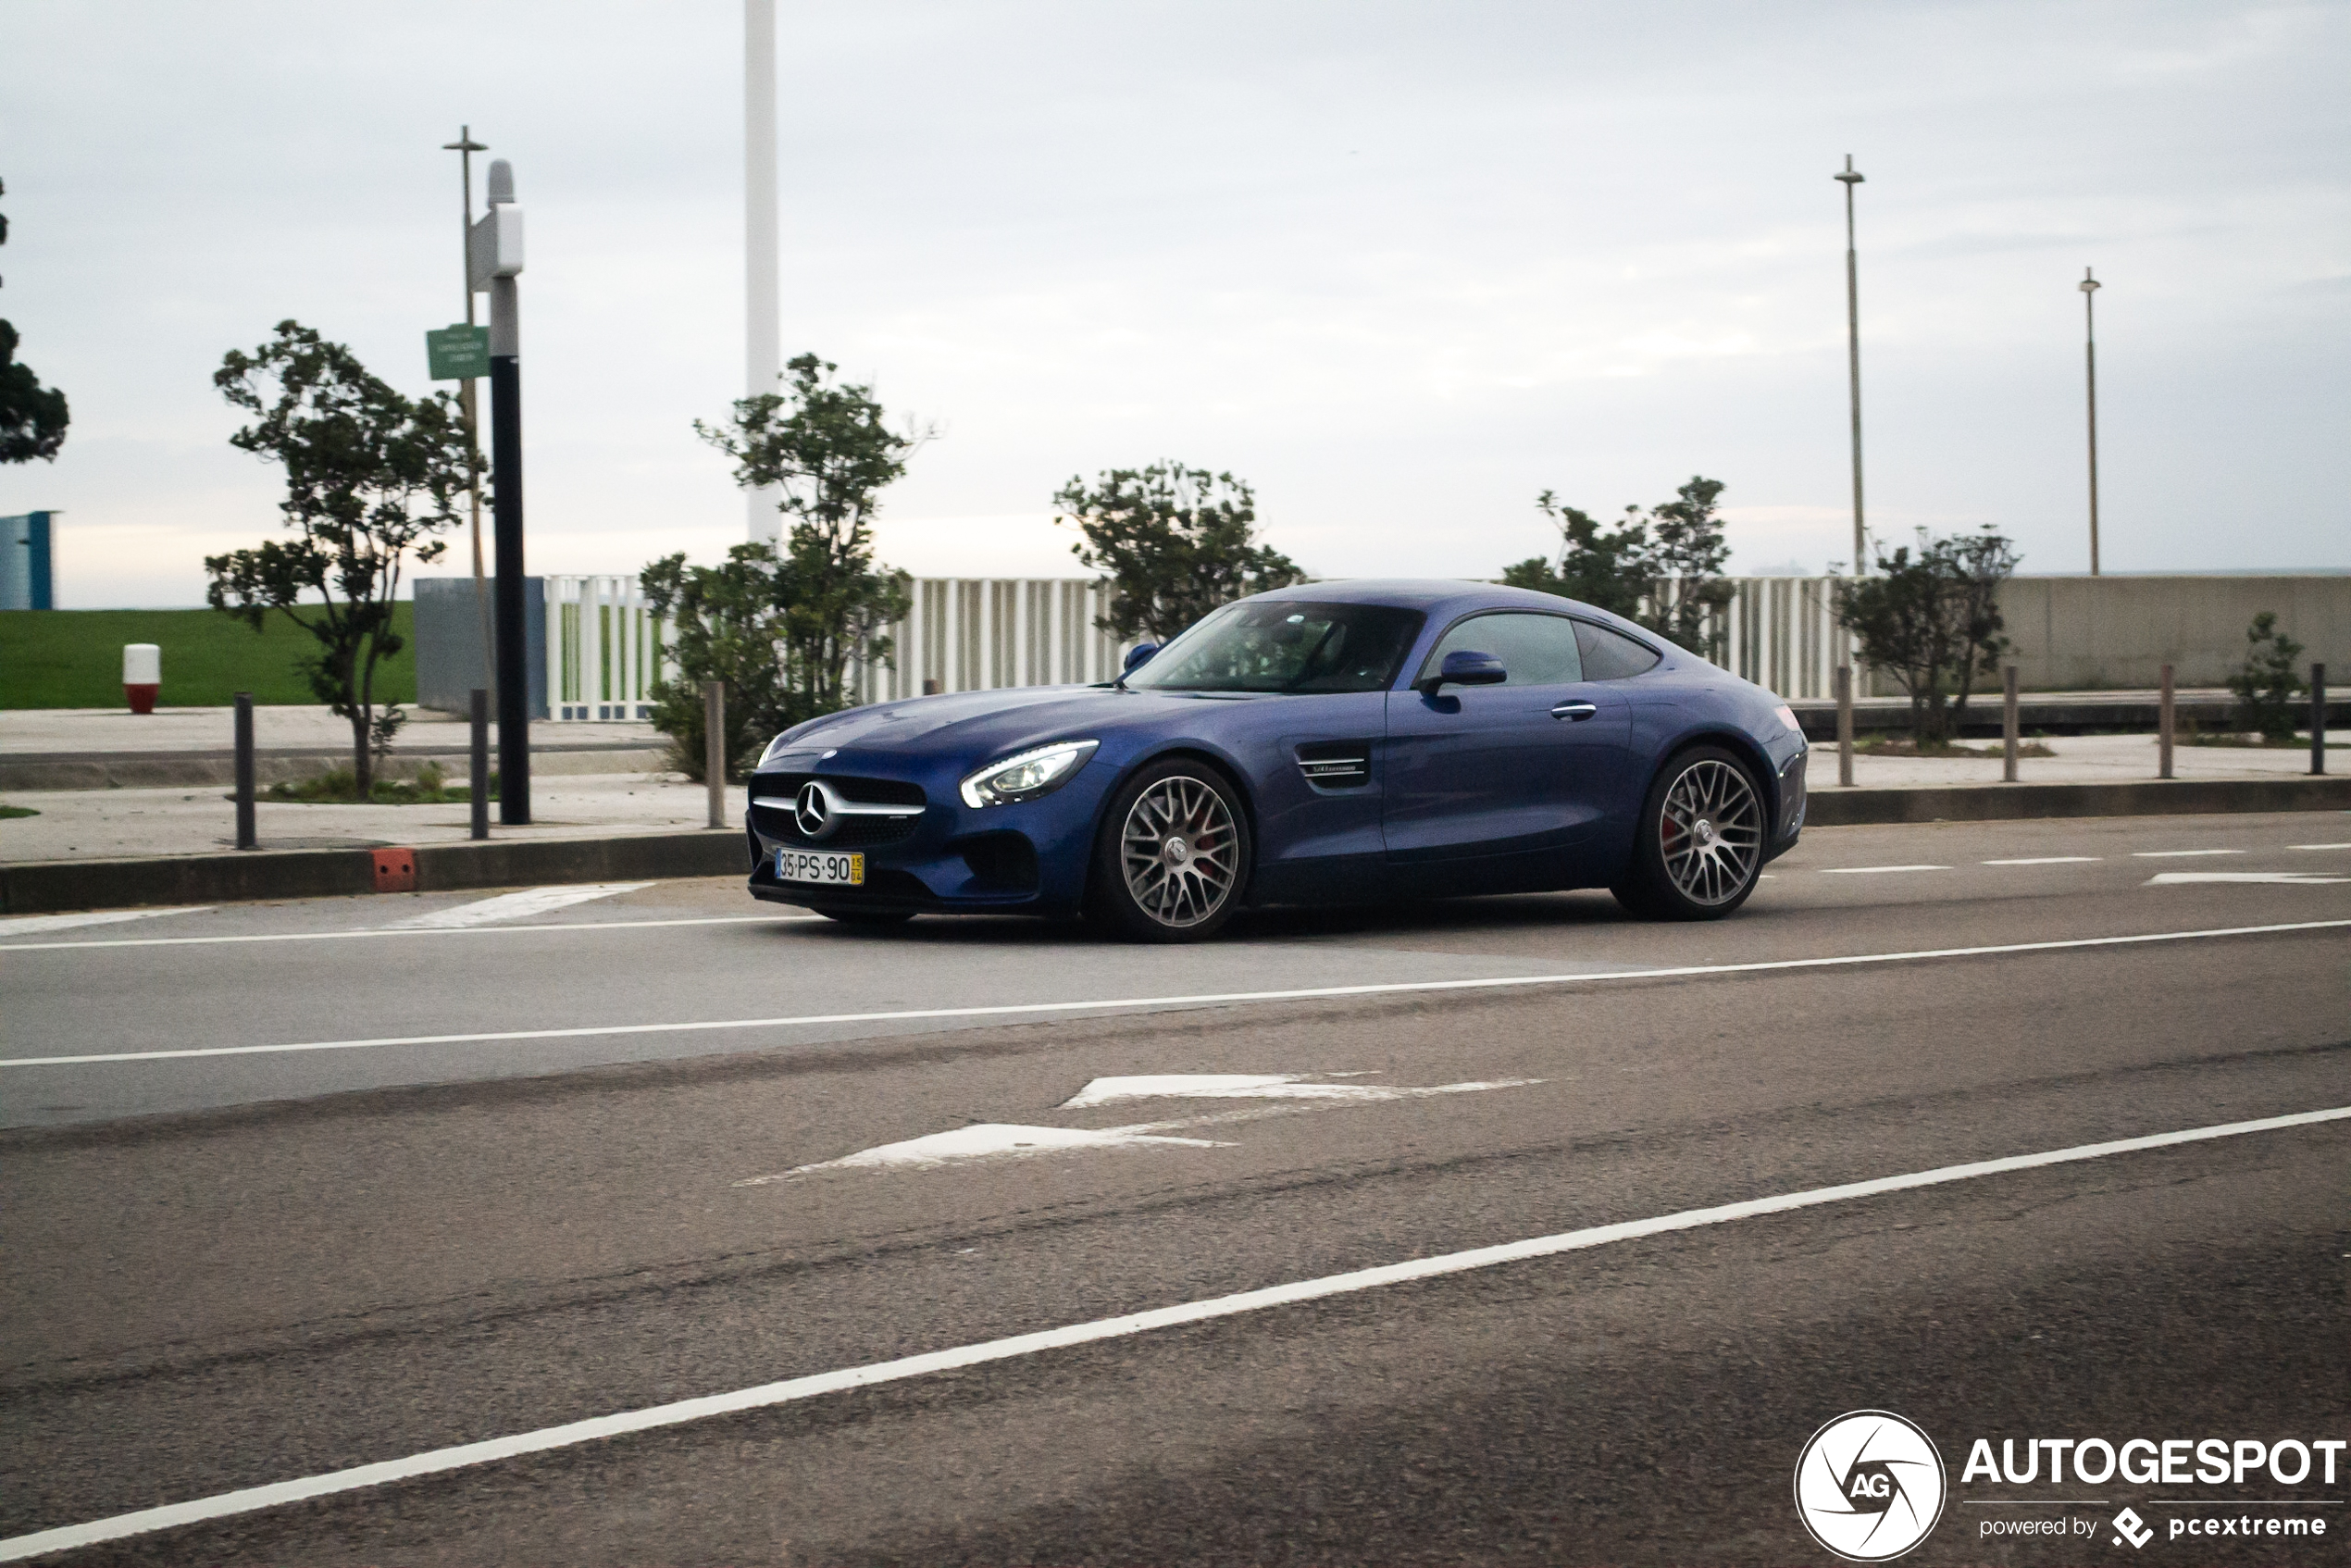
479, 763
1845, 725
2007, 723
248, 837
2164, 729
714, 757
2318, 719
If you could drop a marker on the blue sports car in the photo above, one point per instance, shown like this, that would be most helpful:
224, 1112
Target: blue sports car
1335, 743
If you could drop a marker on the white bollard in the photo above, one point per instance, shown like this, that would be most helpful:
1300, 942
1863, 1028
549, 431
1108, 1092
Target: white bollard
142, 675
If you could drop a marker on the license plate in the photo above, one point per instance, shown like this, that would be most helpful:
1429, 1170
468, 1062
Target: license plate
828, 870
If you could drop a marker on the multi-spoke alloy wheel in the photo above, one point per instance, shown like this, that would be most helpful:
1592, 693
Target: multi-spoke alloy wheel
1179, 851
1710, 832
1701, 843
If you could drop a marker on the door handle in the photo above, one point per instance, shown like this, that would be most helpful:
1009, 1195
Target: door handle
1577, 711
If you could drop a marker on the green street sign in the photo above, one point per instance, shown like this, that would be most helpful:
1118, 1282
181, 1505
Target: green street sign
459, 353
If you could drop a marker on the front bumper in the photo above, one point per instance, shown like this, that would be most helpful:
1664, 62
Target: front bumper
1027, 858
1789, 820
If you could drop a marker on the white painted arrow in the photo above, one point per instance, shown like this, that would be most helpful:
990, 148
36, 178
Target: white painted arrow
998, 1141
1254, 1086
2290, 878
995, 1140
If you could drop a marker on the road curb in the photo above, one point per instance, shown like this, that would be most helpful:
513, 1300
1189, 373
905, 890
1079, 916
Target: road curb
2143, 797
44, 887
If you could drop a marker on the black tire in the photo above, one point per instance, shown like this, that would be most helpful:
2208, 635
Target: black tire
1172, 857
867, 916
1698, 846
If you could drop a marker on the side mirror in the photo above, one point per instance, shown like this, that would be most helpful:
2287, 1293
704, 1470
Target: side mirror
1464, 666
1139, 656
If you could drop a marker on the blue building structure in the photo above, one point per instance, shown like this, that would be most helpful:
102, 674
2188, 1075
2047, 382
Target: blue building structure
28, 557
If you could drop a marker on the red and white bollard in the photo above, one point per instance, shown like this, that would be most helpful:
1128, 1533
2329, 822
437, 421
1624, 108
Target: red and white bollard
142, 675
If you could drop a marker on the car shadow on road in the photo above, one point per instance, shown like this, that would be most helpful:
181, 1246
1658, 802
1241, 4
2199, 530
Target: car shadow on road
1446, 917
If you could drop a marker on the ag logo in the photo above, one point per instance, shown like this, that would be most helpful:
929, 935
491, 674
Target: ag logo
1869, 1486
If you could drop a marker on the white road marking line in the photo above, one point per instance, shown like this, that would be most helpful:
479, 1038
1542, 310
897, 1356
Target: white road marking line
793, 1390
2289, 879
1302, 993
27, 924
989, 1140
516, 906
2319, 846
2048, 860
2177, 855
1867, 870
409, 931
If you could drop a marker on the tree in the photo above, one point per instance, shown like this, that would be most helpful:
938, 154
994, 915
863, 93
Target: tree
827, 451
1175, 543
2269, 680
723, 626
370, 477
1607, 570
1932, 621
32, 417
1661, 569
782, 631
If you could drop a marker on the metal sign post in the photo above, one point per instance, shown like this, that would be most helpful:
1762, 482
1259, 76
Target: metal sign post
495, 259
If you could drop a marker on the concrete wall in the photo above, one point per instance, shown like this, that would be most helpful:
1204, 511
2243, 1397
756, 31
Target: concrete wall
2075, 633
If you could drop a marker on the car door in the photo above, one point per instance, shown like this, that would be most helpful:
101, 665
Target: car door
1527, 767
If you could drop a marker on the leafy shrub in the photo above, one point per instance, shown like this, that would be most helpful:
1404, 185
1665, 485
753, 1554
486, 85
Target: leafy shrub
2266, 683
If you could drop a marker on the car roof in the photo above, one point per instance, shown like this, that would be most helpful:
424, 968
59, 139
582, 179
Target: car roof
1449, 595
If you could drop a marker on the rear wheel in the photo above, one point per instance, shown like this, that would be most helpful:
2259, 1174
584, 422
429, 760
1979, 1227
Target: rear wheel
1698, 846
1173, 855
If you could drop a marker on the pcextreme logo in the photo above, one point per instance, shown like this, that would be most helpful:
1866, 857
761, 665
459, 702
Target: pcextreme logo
1869, 1486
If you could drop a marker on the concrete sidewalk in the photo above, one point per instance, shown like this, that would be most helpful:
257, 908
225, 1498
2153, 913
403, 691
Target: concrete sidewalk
109, 747
112, 823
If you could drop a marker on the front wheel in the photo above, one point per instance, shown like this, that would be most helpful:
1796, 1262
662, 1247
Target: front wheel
1173, 854
1698, 848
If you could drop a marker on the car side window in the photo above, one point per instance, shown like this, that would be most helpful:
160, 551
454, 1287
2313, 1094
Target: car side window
1612, 655
1535, 650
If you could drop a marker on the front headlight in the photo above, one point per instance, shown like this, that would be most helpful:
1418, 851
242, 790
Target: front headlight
1028, 775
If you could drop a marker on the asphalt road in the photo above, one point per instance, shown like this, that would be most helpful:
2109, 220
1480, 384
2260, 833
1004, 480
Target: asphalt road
226, 1271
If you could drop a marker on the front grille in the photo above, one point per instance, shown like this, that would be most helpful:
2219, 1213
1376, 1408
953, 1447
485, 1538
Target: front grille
852, 833
848, 832
872, 791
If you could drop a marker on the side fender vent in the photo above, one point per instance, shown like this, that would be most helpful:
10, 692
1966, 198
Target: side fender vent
1336, 765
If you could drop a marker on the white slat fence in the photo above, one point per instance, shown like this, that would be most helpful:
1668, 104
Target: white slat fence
605, 647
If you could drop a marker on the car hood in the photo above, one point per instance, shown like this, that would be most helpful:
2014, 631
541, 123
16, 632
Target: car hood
978, 726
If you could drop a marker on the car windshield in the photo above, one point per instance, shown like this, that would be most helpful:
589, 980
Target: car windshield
1286, 645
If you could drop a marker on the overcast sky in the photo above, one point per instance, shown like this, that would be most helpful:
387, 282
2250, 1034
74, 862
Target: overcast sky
1399, 265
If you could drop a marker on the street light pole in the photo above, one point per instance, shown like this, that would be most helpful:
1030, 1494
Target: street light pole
763, 313
465, 146
2089, 287
1849, 178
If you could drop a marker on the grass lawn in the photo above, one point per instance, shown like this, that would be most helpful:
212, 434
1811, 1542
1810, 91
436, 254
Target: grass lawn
73, 658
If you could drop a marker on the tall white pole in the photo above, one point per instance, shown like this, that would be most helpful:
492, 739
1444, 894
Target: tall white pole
762, 315
2089, 286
